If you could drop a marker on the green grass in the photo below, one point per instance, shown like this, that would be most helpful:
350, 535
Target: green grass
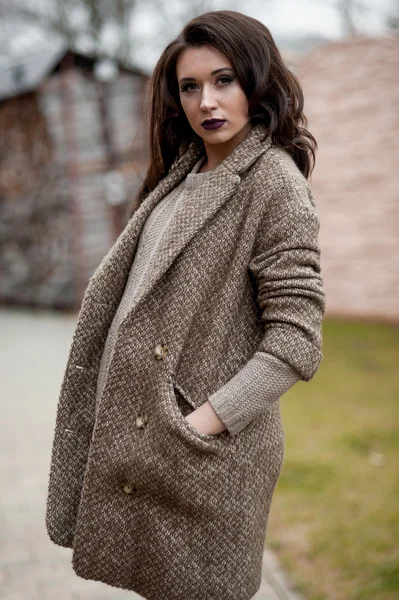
335, 514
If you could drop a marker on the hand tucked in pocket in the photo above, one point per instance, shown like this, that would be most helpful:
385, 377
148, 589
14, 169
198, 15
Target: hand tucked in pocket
205, 420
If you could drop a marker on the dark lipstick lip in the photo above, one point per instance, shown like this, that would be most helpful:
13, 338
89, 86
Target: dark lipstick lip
214, 124
210, 121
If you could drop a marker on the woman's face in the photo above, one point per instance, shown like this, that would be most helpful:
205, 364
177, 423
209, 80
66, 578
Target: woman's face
206, 94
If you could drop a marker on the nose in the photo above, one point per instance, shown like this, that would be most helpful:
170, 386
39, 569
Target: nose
208, 101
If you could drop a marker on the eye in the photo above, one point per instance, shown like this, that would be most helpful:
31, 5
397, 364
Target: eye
185, 87
228, 79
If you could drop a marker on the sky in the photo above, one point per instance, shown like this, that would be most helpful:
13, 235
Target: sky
312, 16
282, 17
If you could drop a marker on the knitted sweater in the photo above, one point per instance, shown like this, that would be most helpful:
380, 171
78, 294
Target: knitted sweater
279, 374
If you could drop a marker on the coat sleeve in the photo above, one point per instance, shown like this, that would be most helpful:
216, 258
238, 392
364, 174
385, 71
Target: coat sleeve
291, 298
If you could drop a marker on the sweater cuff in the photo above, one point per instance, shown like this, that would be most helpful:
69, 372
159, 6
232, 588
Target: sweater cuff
262, 380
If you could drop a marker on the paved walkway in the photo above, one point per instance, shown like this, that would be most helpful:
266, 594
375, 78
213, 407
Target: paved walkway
34, 345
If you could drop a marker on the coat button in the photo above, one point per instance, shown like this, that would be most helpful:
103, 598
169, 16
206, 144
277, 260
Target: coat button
161, 351
141, 421
127, 488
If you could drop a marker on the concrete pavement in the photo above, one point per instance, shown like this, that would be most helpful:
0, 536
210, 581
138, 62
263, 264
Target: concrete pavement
34, 345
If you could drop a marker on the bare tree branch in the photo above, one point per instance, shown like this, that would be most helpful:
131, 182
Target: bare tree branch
175, 15
60, 17
349, 12
392, 18
90, 20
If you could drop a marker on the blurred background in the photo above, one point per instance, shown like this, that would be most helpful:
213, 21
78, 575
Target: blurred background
73, 152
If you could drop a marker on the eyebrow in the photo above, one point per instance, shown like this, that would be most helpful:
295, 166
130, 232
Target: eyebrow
213, 73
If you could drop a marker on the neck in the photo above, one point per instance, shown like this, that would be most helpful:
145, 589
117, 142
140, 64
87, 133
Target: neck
216, 153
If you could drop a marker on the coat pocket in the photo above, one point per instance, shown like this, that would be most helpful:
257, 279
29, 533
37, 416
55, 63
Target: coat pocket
183, 401
177, 406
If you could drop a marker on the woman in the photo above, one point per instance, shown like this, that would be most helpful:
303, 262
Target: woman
168, 440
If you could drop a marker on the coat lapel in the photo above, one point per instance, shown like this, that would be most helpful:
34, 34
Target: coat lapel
110, 278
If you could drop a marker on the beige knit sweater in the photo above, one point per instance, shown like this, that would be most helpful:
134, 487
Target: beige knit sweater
279, 374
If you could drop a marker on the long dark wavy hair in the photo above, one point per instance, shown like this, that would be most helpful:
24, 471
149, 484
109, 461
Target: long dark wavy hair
274, 94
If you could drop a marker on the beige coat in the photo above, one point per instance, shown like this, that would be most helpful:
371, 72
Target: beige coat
146, 501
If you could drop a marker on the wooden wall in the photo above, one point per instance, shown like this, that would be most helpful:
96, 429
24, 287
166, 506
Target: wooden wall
56, 221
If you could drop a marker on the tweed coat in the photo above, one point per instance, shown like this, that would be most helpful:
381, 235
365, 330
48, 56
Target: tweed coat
146, 502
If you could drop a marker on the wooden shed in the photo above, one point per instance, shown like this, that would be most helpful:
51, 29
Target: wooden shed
73, 154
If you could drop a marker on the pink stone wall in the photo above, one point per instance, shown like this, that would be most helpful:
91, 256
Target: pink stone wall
351, 91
